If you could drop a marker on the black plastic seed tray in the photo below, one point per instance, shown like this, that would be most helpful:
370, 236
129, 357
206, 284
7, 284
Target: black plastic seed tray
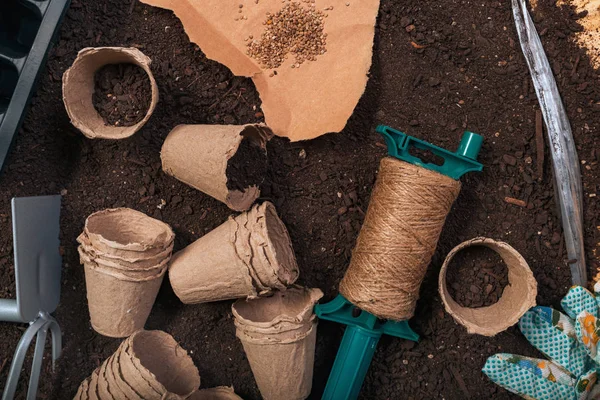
27, 29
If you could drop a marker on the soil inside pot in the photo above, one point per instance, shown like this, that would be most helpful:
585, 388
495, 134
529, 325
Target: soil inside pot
122, 94
247, 167
476, 277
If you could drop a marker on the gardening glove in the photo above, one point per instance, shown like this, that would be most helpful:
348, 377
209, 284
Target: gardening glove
570, 343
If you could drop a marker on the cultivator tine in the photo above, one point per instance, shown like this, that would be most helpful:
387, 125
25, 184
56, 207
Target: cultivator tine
56, 339
37, 274
19, 357
36, 364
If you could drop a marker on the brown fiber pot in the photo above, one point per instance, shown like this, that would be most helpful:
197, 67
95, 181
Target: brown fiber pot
518, 296
199, 155
119, 305
248, 255
149, 365
278, 334
78, 89
127, 233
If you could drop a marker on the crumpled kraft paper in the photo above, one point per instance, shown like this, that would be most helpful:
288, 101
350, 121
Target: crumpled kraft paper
589, 37
303, 103
518, 296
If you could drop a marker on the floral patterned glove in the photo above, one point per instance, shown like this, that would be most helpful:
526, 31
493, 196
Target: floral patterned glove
569, 341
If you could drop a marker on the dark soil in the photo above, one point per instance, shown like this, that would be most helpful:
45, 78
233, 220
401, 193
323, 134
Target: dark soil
476, 277
248, 166
470, 74
122, 94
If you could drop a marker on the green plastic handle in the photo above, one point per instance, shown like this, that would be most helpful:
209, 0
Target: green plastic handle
454, 164
351, 364
358, 345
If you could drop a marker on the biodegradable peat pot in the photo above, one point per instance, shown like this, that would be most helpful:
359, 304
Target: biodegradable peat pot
140, 261
78, 89
119, 305
107, 388
92, 392
102, 383
216, 393
121, 271
226, 262
115, 379
200, 155
148, 365
127, 233
82, 390
160, 360
127, 386
278, 334
518, 296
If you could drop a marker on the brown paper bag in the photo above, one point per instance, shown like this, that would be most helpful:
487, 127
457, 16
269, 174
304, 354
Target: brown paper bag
199, 154
220, 265
281, 360
127, 233
518, 296
299, 103
78, 88
216, 393
119, 305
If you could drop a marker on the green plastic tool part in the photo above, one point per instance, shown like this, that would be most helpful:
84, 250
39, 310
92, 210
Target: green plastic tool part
453, 165
358, 345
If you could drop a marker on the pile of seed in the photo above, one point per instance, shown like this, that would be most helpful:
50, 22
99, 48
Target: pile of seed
293, 29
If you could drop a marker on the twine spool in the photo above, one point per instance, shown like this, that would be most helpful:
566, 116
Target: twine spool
406, 214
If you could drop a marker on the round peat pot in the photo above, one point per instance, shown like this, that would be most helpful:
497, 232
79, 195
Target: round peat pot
518, 296
278, 334
227, 162
248, 255
79, 86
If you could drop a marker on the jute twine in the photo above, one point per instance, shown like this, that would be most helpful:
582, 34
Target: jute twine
406, 214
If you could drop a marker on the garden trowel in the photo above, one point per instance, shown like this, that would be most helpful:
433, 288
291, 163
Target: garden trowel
38, 264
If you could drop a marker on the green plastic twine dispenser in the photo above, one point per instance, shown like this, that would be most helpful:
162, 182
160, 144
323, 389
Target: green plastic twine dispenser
363, 329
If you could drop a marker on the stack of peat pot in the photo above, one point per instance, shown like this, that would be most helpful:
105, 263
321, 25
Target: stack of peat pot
279, 335
125, 254
149, 365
